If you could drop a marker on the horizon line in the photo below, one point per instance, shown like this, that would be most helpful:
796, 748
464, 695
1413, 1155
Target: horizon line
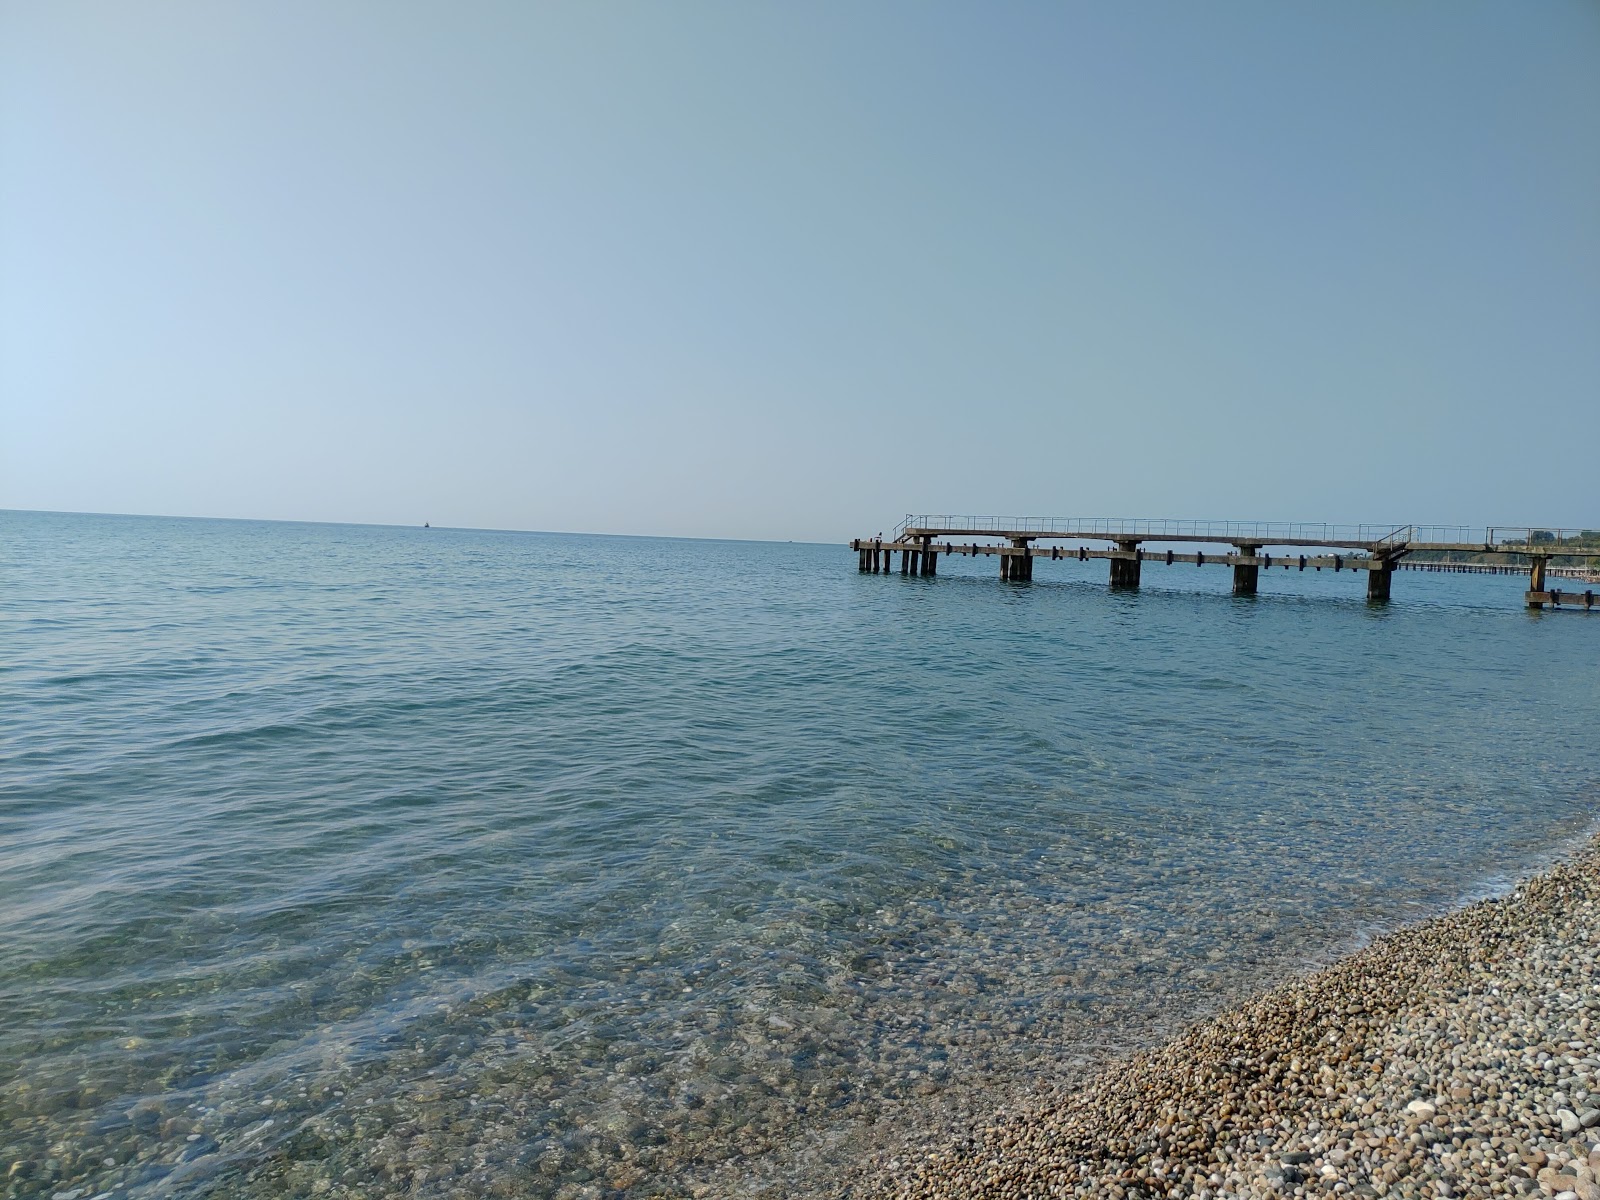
671, 537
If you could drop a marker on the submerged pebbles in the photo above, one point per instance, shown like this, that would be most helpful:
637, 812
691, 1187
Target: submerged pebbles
1457, 1057
1452, 1058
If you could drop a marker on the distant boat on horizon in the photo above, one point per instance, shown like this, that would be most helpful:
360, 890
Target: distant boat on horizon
425, 525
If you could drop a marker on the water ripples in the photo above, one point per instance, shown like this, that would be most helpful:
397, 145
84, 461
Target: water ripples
346, 860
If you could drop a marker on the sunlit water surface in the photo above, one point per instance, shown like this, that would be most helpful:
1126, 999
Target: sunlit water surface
348, 861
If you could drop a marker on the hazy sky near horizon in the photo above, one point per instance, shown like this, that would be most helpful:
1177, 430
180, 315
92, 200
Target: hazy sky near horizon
792, 270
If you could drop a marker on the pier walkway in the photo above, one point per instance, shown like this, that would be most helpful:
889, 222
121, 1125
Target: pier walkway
1254, 546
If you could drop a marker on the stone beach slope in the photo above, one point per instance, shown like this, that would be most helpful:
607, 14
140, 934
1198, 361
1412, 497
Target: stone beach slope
1455, 1057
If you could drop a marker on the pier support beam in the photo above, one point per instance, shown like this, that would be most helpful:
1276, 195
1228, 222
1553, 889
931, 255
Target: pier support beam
1378, 582
1017, 565
1536, 570
929, 557
1246, 579
1125, 571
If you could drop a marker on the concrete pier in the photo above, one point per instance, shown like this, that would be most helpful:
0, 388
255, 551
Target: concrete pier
1125, 566
1378, 582
1016, 563
1246, 575
1536, 597
1379, 550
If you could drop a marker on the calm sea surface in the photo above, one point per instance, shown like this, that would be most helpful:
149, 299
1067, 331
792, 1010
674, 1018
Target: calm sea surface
341, 860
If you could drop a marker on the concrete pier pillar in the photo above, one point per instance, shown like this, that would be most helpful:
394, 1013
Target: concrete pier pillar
1378, 582
905, 562
1536, 572
931, 563
1125, 571
1017, 565
1246, 578
925, 557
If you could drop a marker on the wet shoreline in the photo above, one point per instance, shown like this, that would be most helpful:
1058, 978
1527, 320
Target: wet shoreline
1455, 1055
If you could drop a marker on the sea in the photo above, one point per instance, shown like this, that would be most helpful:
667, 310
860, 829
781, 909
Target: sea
358, 861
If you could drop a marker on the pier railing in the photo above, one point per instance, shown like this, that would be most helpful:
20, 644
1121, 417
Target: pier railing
1115, 528
1265, 533
1539, 540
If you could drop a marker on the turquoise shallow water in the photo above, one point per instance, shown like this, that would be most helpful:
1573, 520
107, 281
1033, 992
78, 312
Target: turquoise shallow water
345, 860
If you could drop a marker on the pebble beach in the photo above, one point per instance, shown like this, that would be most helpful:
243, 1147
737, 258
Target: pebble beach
1453, 1057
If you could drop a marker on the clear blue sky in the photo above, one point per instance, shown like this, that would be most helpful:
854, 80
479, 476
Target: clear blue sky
791, 270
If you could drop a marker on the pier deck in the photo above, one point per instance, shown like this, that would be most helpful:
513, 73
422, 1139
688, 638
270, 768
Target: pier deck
1375, 549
